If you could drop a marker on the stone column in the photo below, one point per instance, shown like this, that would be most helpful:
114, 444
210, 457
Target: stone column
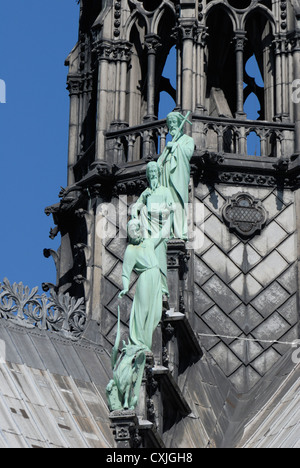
74, 86
240, 38
187, 28
177, 39
281, 86
125, 54
104, 51
296, 64
152, 43
200, 73
277, 49
284, 73
87, 88
178, 78
290, 79
116, 120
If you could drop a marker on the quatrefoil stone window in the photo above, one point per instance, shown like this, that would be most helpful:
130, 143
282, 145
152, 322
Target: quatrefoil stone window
244, 214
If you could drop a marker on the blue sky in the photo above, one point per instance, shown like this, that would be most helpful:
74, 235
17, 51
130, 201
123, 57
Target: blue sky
35, 38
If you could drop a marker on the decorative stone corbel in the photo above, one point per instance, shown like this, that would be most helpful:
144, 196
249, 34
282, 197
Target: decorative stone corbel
124, 425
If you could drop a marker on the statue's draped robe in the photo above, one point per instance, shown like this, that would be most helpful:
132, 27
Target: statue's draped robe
154, 215
147, 304
175, 174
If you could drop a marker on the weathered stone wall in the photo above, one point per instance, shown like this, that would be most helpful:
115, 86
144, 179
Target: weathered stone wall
246, 288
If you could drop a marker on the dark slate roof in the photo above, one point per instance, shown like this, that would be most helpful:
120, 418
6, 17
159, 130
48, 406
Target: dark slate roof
277, 425
52, 394
52, 391
222, 418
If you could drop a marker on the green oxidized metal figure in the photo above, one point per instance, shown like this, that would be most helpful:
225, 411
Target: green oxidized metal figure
155, 208
147, 304
162, 209
175, 170
123, 390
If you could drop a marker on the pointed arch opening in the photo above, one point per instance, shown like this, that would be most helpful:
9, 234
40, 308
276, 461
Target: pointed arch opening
259, 64
89, 11
221, 65
136, 105
167, 91
166, 66
253, 144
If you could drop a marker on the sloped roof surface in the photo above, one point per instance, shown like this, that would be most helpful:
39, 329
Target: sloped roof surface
277, 425
266, 416
52, 395
52, 391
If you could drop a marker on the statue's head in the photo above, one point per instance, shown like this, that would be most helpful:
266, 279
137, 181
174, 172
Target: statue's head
152, 171
174, 120
134, 232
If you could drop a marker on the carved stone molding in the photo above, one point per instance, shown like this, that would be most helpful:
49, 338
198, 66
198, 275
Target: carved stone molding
59, 312
294, 39
124, 425
152, 43
240, 39
112, 51
188, 29
117, 18
130, 187
267, 172
202, 36
247, 179
74, 84
283, 14
200, 10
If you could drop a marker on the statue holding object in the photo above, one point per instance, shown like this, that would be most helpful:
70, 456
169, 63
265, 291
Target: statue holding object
162, 208
147, 304
174, 164
155, 209
123, 390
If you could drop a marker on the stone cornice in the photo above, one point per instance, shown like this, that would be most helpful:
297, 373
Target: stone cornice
246, 170
112, 50
130, 178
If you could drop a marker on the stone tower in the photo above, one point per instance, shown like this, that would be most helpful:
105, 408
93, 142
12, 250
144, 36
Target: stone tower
235, 290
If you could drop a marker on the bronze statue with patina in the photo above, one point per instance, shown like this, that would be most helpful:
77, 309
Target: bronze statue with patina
155, 209
174, 164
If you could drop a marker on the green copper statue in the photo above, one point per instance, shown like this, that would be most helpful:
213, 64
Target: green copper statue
156, 210
123, 390
162, 209
147, 304
174, 165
